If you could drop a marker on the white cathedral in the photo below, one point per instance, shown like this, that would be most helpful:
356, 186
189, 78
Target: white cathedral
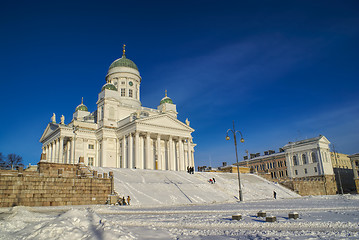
121, 133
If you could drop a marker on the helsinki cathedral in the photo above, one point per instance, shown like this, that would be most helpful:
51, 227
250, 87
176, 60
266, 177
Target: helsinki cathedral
121, 133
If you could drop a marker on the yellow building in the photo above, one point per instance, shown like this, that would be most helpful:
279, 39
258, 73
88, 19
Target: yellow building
340, 160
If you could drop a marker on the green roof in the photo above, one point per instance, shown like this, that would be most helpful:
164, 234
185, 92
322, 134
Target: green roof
81, 107
166, 100
123, 62
109, 86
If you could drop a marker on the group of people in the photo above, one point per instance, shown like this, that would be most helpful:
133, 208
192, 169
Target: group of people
190, 170
212, 180
122, 201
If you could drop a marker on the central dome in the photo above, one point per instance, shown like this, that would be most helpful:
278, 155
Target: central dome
123, 62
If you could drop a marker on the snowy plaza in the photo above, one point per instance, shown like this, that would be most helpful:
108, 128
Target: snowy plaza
320, 217
177, 205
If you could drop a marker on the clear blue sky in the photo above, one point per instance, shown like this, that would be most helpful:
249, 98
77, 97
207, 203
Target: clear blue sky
282, 70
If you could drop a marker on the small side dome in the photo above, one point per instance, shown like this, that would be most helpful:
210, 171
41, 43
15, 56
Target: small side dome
166, 99
109, 86
82, 106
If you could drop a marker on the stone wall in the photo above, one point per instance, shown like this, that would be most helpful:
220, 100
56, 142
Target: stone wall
54, 185
316, 185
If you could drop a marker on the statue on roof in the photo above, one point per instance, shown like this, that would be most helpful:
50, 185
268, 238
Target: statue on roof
187, 122
62, 119
53, 118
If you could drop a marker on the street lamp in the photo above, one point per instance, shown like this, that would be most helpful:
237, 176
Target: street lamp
235, 145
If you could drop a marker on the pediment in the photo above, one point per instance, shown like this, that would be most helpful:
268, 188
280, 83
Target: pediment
51, 128
167, 121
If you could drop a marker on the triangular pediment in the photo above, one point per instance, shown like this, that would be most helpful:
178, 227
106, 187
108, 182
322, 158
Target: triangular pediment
167, 121
48, 131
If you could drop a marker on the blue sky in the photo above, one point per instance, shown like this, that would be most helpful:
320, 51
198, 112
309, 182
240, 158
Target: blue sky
282, 70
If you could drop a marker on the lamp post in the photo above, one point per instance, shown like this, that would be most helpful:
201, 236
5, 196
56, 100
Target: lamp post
235, 145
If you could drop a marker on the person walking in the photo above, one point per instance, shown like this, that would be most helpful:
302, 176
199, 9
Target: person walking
128, 200
274, 194
214, 180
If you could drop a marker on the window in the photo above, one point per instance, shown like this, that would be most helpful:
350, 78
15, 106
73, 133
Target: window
91, 146
123, 83
90, 161
305, 171
295, 161
123, 92
304, 158
130, 92
315, 169
296, 172
314, 157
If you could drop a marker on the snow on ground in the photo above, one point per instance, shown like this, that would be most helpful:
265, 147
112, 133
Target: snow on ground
320, 217
177, 205
148, 187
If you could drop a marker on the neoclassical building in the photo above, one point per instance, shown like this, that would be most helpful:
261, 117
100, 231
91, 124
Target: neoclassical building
120, 132
304, 158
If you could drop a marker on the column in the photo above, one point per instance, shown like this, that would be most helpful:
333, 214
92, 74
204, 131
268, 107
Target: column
72, 151
148, 159
52, 152
97, 154
320, 162
137, 150
47, 152
189, 152
142, 163
130, 151
103, 153
158, 153
181, 155
124, 150
176, 157
61, 147
171, 164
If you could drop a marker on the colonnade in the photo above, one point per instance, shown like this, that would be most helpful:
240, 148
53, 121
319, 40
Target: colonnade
144, 150
60, 151
140, 150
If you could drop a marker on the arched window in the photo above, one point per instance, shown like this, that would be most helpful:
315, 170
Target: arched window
314, 157
304, 158
295, 161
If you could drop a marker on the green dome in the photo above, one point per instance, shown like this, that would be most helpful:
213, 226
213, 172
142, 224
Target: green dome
82, 106
166, 100
109, 86
123, 62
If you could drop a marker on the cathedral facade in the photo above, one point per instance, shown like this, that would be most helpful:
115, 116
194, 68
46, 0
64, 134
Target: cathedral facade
121, 133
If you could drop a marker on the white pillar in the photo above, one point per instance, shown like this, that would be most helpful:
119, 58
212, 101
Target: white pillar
124, 150
148, 159
170, 155
189, 152
72, 151
142, 152
158, 152
61, 147
130, 151
97, 154
47, 152
181, 155
52, 152
137, 150
103, 154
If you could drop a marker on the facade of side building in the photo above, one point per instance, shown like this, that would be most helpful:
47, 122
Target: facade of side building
296, 163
